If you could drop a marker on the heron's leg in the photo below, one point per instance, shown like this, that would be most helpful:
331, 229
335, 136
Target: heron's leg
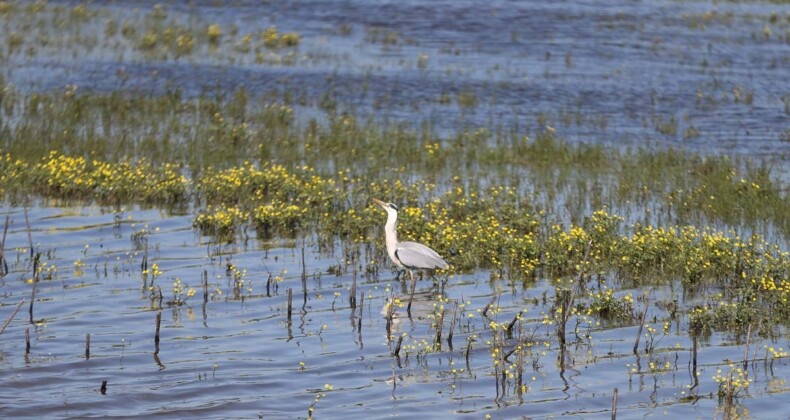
411, 296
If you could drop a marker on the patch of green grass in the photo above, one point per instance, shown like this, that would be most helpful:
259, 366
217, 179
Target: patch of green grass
225, 131
40, 28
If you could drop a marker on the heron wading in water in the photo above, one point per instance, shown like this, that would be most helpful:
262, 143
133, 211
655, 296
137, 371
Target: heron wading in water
408, 255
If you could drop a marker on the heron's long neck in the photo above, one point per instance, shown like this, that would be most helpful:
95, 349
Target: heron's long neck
391, 234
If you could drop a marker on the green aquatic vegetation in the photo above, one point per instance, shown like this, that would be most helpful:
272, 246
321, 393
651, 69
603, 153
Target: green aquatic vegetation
706, 19
691, 132
666, 126
271, 198
278, 216
181, 293
606, 305
222, 222
732, 384
223, 131
467, 99
529, 205
496, 228
158, 34
379, 35
728, 19
273, 39
214, 33
513, 207
166, 42
77, 178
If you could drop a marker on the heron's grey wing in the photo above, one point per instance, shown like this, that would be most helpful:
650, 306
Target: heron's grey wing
416, 255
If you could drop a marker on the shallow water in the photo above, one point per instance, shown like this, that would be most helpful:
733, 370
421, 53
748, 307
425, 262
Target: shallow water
598, 71
238, 356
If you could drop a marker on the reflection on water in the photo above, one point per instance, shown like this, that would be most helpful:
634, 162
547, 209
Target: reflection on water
664, 71
237, 354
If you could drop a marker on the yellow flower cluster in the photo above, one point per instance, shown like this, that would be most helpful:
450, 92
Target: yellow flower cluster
269, 197
75, 177
278, 215
220, 221
155, 271
214, 32
604, 303
723, 315
180, 293
178, 287
249, 183
659, 366
272, 39
733, 383
420, 346
170, 40
775, 353
777, 286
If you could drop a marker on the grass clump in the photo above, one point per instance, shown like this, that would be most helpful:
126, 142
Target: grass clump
77, 178
273, 39
605, 304
158, 34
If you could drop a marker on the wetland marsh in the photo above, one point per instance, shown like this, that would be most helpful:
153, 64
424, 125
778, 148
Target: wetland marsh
187, 204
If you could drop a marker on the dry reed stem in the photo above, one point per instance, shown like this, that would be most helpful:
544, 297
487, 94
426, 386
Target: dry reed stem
156, 336
614, 404
13, 314
290, 303
641, 324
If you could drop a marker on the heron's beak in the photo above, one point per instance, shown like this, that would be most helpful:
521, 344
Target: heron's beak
379, 202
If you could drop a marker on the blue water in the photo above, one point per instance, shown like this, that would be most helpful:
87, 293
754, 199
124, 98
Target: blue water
237, 355
618, 67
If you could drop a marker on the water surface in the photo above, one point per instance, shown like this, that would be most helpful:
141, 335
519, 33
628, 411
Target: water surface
599, 71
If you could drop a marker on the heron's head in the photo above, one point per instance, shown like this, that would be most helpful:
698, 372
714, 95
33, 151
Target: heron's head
387, 206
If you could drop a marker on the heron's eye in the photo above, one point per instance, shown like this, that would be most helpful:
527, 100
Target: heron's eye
394, 207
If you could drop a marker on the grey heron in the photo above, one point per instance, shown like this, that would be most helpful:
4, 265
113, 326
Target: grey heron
408, 255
